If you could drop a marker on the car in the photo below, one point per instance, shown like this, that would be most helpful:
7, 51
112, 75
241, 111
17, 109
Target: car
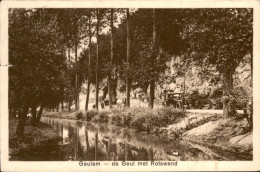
177, 100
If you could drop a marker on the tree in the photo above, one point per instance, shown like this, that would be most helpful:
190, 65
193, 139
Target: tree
111, 58
221, 37
128, 87
89, 58
153, 56
145, 59
65, 26
78, 26
97, 56
141, 48
36, 75
87, 64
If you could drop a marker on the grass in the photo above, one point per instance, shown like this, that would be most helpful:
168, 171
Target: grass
141, 119
35, 139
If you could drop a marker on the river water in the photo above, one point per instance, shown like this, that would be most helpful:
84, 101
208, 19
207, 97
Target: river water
102, 142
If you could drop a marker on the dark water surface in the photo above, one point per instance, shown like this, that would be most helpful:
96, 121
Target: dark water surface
102, 142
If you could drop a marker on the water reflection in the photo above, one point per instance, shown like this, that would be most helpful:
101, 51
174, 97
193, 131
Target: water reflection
89, 142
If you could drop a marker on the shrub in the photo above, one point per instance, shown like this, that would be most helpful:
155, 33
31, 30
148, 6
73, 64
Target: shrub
121, 119
170, 115
79, 115
198, 101
217, 103
138, 122
89, 115
116, 120
127, 118
148, 120
141, 119
237, 99
101, 117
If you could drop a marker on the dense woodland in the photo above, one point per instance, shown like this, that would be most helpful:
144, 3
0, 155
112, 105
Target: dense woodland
53, 52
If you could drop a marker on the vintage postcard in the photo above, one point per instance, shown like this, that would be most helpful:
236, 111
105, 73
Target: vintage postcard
130, 85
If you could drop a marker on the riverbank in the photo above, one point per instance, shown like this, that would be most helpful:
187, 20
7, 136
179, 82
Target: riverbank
140, 119
36, 139
229, 137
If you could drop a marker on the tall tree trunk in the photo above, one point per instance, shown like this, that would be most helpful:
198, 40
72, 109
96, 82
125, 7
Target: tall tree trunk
184, 89
69, 81
76, 77
252, 72
114, 82
88, 88
111, 60
128, 89
33, 112
22, 120
97, 83
89, 61
38, 118
87, 141
152, 82
62, 101
62, 105
96, 146
227, 88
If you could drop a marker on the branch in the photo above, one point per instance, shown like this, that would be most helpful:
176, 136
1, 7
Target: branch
246, 70
247, 77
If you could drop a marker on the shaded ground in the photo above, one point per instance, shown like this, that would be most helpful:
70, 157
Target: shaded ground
38, 143
229, 136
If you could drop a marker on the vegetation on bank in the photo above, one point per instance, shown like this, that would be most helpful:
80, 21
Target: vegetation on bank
209, 130
141, 119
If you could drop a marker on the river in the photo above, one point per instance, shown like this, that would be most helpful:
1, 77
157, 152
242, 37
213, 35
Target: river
102, 142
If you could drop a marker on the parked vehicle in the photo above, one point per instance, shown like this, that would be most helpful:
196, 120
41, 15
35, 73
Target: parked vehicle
177, 100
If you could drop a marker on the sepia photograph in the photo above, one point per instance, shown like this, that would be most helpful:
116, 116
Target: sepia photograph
130, 85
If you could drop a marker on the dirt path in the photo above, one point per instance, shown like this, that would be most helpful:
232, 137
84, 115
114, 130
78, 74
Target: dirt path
212, 111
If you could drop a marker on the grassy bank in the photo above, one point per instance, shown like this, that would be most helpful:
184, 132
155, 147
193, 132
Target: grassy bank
141, 119
228, 137
36, 139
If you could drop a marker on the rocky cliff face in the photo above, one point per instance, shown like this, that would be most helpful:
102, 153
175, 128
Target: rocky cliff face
195, 79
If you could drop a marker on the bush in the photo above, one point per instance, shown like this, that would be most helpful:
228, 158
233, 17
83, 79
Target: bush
171, 113
237, 99
79, 115
148, 120
198, 101
140, 119
164, 117
138, 122
116, 119
127, 118
217, 103
89, 115
121, 119
101, 117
